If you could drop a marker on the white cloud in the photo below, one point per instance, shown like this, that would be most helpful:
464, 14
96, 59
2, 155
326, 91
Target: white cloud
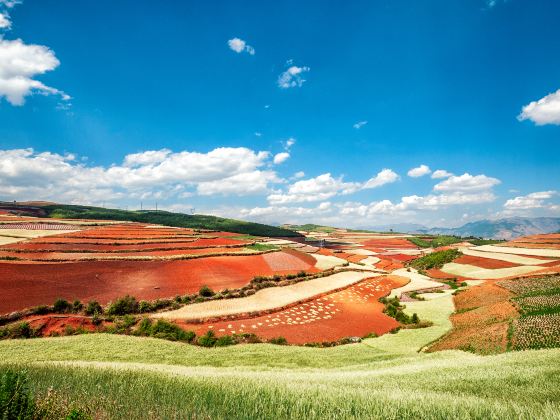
258, 134
281, 157
385, 176
326, 186
467, 183
441, 173
19, 64
299, 174
5, 22
292, 77
531, 201
289, 143
544, 111
10, 3
419, 171
319, 188
359, 124
25, 174
238, 45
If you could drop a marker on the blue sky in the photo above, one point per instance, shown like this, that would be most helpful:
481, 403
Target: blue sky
291, 112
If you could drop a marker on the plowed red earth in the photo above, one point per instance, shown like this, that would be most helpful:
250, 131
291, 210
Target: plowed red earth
388, 265
77, 256
402, 257
389, 244
484, 262
30, 284
49, 325
41, 246
352, 312
195, 243
438, 274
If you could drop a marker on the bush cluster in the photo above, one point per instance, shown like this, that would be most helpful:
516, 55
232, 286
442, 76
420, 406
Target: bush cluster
394, 309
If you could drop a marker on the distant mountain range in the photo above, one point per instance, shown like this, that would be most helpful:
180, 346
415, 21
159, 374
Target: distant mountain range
509, 228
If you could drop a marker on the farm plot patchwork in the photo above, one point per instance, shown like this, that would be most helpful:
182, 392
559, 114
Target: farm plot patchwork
538, 300
81, 264
354, 311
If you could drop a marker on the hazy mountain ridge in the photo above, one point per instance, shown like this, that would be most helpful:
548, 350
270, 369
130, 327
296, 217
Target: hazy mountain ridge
508, 228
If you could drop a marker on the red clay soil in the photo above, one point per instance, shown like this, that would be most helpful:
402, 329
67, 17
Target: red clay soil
394, 243
49, 325
54, 247
354, 311
401, 257
484, 262
388, 265
436, 273
25, 285
84, 256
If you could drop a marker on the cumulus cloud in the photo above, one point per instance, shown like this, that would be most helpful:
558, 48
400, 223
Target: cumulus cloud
19, 64
26, 174
238, 45
5, 22
531, 201
544, 111
281, 157
441, 173
359, 124
385, 176
319, 188
467, 183
299, 174
292, 77
419, 171
326, 186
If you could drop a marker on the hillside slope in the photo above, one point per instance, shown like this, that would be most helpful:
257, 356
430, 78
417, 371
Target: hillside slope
195, 221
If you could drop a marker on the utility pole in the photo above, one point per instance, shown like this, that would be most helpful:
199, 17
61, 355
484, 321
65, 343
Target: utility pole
156, 205
140, 206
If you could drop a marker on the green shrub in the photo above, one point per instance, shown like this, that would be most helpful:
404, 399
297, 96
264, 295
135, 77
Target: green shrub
77, 306
16, 401
208, 339
93, 307
225, 340
281, 341
123, 306
61, 306
206, 291
41, 310
144, 306
22, 330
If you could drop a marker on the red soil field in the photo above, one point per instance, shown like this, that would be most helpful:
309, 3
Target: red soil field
394, 243
38, 226
401, 257
49, 325
77, 256
64, 240
354, 311
388, 265
438, 274
79, 247
30, 284
484, 262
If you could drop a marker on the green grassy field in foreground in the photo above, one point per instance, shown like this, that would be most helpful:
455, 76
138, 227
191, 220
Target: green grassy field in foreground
148, 378
121, 376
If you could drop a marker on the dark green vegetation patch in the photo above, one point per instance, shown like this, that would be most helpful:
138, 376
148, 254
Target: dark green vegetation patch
435, 259
195, 221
